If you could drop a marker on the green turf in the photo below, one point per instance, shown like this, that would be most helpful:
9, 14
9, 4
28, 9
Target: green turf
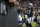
33, 24
24, 25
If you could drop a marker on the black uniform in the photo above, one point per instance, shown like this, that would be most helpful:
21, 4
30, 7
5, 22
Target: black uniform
29, 12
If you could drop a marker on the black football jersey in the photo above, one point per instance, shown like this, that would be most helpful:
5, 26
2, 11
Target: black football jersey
29, 12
